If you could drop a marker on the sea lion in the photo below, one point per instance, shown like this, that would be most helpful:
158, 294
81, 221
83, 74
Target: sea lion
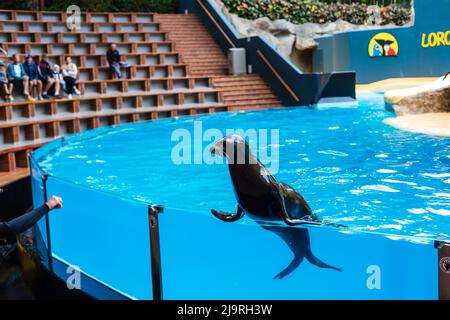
267, 201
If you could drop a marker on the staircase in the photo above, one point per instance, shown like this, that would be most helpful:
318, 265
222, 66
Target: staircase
204, 56
177, 69
195, 44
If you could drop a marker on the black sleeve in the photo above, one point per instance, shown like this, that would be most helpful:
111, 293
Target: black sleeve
108, 56
22, 223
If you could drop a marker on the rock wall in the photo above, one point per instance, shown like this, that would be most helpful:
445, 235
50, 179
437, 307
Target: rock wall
430, 101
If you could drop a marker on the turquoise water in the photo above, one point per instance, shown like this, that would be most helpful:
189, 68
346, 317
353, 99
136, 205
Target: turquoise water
349, 166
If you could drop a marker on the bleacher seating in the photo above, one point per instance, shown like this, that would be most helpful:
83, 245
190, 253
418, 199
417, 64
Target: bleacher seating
176, 69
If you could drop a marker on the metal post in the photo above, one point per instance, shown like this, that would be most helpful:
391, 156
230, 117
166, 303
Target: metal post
443, 269
153, 211
47, 224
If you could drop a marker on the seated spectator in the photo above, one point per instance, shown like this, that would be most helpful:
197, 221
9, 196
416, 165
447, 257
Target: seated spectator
70, 73
114, 60
59, 77
18, 77
31, 70
47, 77
4, 82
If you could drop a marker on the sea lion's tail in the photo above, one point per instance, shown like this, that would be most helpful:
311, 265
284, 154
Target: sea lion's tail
317, 262
291, 267
298, 260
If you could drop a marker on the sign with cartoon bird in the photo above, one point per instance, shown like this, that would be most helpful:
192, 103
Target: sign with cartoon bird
383, 44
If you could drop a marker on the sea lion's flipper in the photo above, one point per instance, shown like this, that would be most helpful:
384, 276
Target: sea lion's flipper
317, 262
284, 214
291, 267
297, 239
228, 217
288, 190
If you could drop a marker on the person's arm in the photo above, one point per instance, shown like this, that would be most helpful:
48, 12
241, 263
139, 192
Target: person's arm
108, 57
35, 72
64, 70
26, 71
22, 71
49, 71
39, 70
27, 220
24, 222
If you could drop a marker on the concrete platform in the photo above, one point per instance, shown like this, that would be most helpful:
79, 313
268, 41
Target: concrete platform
393, 84
435, 124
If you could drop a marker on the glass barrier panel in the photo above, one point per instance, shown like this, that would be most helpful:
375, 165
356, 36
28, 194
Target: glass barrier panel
205, 258
104, 236
37, 189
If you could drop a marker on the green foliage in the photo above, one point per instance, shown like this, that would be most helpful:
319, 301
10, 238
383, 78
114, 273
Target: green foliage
302, 11
85, 5
401, 3
161, 6
394, 14
14, 4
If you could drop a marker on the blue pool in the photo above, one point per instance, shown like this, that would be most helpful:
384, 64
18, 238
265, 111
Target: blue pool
391, 188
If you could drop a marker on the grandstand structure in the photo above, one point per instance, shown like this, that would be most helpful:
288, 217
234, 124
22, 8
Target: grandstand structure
176, 69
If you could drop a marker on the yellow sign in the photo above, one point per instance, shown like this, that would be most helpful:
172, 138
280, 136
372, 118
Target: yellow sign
383, 44
436, 39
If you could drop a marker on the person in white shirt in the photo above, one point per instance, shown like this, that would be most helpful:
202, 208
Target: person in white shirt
70, 73
59, 77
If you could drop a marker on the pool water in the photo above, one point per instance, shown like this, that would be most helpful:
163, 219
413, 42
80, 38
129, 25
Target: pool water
351, 167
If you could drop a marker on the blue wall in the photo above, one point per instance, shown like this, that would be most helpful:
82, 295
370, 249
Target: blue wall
349, 50
308, 88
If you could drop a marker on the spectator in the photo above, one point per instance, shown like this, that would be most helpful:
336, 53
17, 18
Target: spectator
70, 73
114, 60
59, 77
47, 77
31, 70
4, 83
18, 77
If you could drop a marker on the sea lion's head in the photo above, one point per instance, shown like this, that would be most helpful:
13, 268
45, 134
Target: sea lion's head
234, 147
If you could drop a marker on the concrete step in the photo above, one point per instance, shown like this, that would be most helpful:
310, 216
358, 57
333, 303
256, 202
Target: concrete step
246, 97
205, 57
202, 55
209, 67
242, 84
250, 91
252, 103
241, 77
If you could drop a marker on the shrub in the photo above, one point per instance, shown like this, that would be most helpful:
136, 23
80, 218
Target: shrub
15, 5
161, 6
394, 14
302, 11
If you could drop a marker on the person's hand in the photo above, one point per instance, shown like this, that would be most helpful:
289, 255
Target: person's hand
54, 203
